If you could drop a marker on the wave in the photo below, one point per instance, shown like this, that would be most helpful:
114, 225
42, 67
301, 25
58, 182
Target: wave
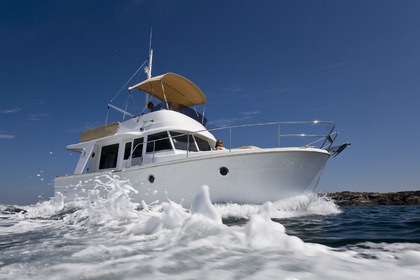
111, 237
111, 197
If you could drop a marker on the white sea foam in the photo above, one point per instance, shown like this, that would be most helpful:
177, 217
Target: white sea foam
303, 205
109, 238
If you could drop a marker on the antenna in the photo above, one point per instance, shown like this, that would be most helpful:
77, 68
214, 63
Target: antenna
148, 69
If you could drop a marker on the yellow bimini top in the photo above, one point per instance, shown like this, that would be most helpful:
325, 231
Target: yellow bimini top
172, 88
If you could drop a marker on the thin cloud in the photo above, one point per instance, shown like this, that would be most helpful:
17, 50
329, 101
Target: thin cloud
10, 111
31, 103
235, 89
222, 122
225, 90
252, 113
228, 121
85, 126
244, 116
37, 117
5, 136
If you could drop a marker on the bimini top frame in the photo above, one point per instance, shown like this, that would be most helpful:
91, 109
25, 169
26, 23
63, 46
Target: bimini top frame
172, 89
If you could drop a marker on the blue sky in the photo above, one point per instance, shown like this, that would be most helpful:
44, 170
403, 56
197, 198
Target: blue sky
353, 62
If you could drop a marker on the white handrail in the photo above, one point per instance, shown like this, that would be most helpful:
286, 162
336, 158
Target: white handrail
327, 138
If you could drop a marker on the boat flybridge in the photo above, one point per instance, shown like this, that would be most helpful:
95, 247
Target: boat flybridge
168, 153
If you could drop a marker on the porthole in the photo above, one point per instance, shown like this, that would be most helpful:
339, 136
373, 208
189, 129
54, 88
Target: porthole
223, 171
151, 178
93, 154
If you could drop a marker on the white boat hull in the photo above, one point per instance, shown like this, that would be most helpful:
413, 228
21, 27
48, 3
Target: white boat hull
253, 176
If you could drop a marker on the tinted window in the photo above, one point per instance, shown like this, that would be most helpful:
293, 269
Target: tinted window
127, 150
138, 147
203, 145
158, 142
182, 141
109, 156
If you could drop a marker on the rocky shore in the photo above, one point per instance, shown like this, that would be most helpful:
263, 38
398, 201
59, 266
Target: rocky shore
347, 198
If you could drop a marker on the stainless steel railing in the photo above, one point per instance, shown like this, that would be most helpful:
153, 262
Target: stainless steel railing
305, 130
319, 134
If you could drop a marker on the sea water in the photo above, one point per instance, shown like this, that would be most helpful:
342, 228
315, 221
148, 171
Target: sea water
304, 237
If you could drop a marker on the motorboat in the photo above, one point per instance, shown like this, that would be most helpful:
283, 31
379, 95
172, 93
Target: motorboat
167, 153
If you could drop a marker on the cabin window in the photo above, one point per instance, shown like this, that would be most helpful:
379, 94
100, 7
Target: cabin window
203, 145
182, 141
158, 142
109, 156
127, 151
138, 147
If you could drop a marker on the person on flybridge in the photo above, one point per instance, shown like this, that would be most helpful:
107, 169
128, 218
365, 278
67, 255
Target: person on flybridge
150, 108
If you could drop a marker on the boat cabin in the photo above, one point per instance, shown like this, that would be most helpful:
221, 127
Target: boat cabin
172, 131
151, 148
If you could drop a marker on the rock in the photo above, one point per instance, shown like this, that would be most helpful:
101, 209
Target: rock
347, 198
